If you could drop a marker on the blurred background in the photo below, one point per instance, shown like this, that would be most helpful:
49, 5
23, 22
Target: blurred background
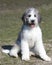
15, 4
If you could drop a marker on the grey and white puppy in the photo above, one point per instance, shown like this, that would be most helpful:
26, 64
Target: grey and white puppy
30, 37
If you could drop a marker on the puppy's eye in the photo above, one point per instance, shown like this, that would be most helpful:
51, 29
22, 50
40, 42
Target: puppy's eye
29, 15
34, 15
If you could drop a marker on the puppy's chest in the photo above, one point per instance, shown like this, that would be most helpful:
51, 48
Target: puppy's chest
31, 42
31, 38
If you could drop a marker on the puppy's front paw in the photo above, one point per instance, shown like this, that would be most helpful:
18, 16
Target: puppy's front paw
47, 58
25, 57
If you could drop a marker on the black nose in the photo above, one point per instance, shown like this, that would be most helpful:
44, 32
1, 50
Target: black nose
32, 21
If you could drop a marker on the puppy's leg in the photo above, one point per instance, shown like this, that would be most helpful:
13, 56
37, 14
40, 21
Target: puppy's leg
25, 50
15, 49
39, 48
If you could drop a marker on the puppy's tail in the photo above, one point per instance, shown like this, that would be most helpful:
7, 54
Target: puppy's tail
5, 51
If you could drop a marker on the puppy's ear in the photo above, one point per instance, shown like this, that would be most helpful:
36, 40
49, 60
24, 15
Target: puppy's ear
23, 18
39, 18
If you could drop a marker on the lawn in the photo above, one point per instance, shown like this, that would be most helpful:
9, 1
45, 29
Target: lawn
10, 24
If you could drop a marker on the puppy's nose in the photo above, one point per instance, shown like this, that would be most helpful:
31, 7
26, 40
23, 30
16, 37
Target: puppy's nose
32, 21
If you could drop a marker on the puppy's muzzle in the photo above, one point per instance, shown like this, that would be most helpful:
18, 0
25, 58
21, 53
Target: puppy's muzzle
32, 24
32, 21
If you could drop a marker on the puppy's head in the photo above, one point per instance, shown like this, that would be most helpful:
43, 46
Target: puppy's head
31, 17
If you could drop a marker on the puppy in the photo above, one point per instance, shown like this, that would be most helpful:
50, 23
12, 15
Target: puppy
30, 37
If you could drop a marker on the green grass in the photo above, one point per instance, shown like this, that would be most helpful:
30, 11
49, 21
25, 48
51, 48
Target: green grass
47, 23
10, 25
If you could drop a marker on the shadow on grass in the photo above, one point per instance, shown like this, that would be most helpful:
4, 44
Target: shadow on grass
38, 57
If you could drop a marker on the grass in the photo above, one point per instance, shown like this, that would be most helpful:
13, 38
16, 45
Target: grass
10, 25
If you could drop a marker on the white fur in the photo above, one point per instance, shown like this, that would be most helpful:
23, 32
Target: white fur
30, 38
